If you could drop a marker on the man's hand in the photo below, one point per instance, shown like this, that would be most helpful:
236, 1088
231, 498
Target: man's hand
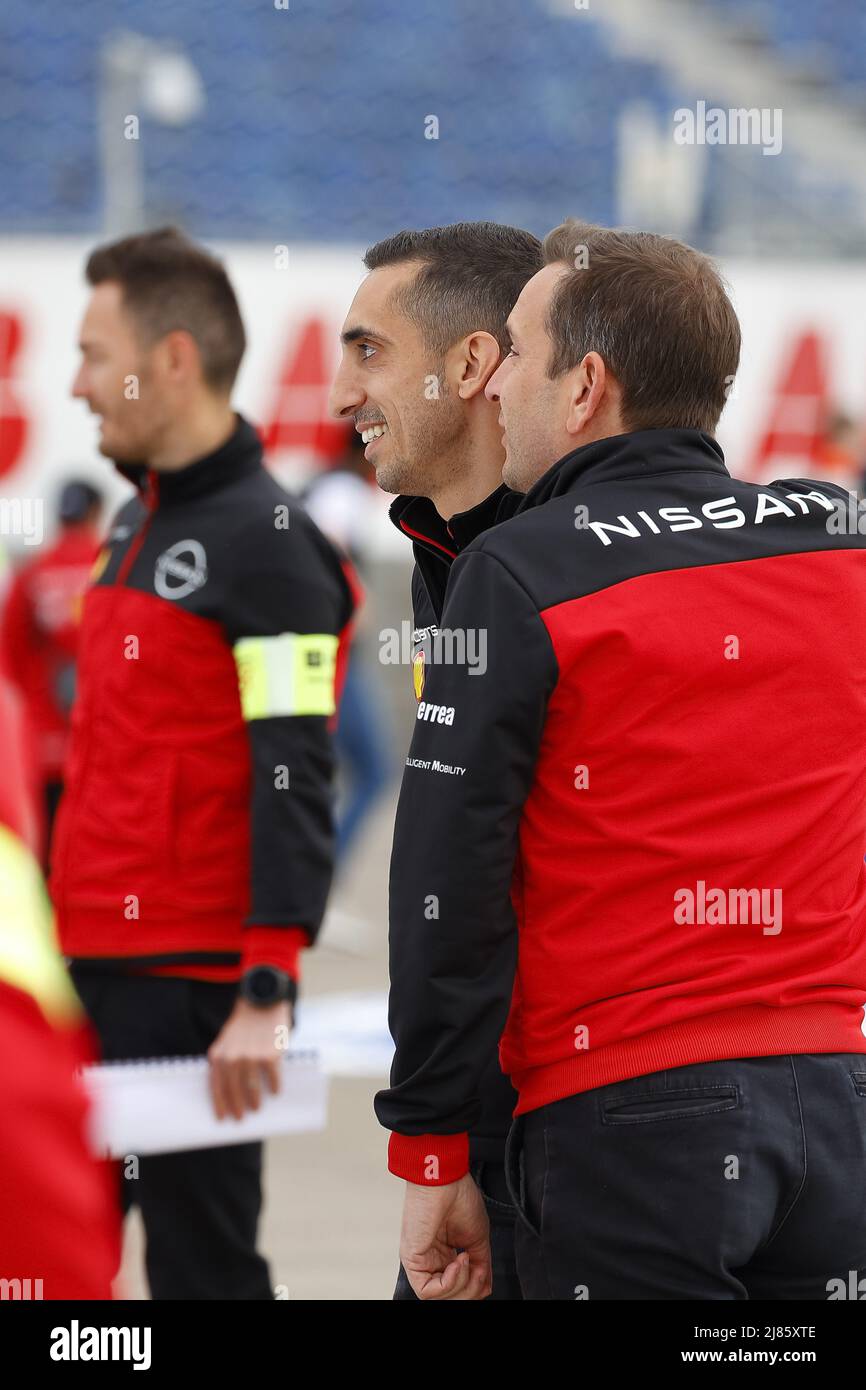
245, 1056
437, 1222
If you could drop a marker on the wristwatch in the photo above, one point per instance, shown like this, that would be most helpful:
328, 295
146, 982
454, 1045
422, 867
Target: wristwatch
264, 986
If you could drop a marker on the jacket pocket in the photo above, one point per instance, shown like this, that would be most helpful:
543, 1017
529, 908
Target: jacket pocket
479, 1171
684, 1103
117, 831
515, 1175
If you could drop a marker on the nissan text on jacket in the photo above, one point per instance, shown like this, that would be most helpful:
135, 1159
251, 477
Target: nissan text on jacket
636, 840
195, 833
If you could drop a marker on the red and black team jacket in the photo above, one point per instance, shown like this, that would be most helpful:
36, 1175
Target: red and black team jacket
664, 747
195, 832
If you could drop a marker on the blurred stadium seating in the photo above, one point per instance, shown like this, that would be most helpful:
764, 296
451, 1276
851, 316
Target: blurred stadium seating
827, 40
311, 123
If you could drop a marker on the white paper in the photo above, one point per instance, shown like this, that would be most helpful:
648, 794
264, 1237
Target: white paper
164, 1105
349, 1031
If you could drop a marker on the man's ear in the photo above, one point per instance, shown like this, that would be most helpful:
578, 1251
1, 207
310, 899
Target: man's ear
180, 356
589, 390
478, 358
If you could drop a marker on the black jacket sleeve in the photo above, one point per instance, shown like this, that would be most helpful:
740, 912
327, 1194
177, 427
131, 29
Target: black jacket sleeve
453, 938
289, 605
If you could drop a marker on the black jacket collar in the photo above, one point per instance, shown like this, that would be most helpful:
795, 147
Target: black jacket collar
241, 454
635, 455
417, 518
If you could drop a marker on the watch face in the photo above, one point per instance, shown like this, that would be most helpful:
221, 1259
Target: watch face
264, 985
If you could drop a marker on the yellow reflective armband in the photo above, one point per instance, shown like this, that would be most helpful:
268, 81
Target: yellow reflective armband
293, 673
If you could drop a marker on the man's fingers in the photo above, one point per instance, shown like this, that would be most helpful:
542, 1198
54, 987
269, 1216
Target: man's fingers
233, 1081
482, 1281
455, 1276
272, 1072
247, 1087
437, 1224
225, 1081
471, 1282
480, 1258
462, 1278
251, 1081
446, 1283
236, 1085
216, 1090
459, 1280
245, 1060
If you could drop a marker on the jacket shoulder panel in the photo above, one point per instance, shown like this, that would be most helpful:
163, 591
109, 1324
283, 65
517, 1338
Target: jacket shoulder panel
608, 531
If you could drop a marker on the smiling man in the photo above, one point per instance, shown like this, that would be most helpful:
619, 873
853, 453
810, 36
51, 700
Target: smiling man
194, 846
674, 695
421, 340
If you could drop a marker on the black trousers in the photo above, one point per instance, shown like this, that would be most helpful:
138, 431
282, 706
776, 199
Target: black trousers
200, 1208
502, 1215
742, 1179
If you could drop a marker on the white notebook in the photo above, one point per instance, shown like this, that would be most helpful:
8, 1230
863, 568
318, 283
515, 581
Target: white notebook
164, 1105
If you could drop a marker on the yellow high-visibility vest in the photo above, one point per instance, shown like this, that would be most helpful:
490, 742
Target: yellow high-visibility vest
30, 959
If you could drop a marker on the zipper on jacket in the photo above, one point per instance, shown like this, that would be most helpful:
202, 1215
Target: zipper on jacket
428, 540
137, 542
123, 570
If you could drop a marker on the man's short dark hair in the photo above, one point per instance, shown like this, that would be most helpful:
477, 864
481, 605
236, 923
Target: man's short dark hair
169, 283
470, 274
658, 314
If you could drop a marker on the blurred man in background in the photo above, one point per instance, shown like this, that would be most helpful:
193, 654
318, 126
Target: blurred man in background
59, 1227
194, 845
669, 743
39, 638
422, 338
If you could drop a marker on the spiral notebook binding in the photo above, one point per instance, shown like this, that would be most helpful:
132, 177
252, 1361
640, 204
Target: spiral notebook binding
306, 1054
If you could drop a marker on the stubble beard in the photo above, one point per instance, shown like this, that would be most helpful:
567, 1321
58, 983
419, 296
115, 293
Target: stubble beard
434, 456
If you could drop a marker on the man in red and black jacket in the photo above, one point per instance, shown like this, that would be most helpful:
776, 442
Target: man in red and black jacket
433, 310
662, 767
194, 844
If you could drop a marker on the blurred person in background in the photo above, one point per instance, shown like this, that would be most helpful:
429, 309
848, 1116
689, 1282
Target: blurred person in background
840, 457
194, 844
669, 745
59, 1221
339, 501
39, 632
423, 336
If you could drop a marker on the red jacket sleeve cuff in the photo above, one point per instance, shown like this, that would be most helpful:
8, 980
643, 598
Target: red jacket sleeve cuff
276, 946
431, 1160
